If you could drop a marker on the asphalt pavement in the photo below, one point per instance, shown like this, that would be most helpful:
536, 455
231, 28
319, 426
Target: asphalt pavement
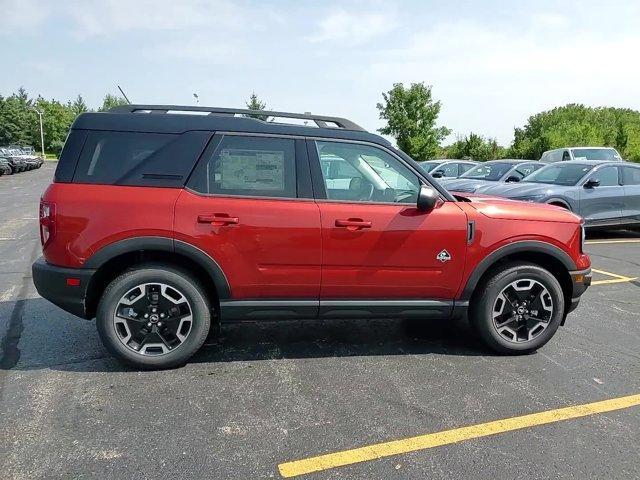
266, 394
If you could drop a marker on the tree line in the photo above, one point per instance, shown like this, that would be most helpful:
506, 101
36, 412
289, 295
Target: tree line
19, 123
411, 118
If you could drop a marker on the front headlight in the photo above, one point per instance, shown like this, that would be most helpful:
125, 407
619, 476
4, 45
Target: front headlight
529, 198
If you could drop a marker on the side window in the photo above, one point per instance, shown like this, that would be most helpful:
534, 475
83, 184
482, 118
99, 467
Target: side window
525, 169
608, 176
630, 176
370, 174
109, 156
566, 156
465, 166
448, 170
248, 166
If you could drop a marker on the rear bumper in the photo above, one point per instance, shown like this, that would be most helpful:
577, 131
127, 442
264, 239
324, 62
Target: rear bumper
580, 280
51, 283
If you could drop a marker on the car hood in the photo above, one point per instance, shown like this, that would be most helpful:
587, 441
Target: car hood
463, 184
521, 189
504, 208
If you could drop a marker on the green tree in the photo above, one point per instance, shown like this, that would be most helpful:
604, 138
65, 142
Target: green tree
56, 120
17, 119
475, 147
111, 101
78, 106
411, 115
578, 125
255, 103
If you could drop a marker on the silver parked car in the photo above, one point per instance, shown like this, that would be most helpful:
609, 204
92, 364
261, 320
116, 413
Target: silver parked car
605, 154
447, 168
491, 172
603, 193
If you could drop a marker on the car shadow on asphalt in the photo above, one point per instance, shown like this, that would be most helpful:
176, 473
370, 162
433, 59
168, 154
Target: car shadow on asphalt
53, 339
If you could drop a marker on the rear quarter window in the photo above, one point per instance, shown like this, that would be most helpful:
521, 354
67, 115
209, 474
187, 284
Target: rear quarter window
139, 159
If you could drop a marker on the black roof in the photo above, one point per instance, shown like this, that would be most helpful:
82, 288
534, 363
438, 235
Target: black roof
160, 119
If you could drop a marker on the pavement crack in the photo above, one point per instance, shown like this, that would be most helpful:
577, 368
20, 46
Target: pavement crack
9, 344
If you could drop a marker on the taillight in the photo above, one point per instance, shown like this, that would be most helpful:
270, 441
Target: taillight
47, 222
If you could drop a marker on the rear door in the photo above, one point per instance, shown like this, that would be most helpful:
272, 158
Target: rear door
602, 205
631, 185
376, 244
249, 206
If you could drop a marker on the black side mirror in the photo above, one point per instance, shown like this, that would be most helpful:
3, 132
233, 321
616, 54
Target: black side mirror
512, 178
427, 198
592, 182
438, 174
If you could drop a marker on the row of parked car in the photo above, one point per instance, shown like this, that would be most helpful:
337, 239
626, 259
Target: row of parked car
16, 159
592, 182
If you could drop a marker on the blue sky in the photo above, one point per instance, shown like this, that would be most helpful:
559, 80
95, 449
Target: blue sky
491, 63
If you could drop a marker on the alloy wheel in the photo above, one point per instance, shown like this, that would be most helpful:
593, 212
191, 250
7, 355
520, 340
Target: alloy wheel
522, 310
153, 319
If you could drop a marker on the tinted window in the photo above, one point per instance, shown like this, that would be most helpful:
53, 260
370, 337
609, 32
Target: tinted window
488, 171
608, 176
608, 154
253, 166
630, 176
429, 166
464, 167
374, 175
566, 156
448, 170
109, 156
560, 174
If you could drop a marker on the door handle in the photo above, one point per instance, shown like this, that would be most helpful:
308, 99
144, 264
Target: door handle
218, 219
353, 224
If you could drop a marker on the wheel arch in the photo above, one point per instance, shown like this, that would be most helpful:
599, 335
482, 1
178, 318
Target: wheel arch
559, 202
115, 258
546, 255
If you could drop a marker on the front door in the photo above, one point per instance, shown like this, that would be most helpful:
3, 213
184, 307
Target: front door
375, 243
602, 205
247, 207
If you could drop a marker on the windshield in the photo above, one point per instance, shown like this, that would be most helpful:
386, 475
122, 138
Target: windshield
488, 171
608, 154
560, 173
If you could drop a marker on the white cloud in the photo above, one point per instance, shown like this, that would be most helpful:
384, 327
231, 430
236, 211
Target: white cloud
25, 16
354, 28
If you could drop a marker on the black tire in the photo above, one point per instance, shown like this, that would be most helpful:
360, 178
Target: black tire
482, 307
189, 287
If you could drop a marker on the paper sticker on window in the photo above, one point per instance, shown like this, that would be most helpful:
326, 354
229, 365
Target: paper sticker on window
252, 170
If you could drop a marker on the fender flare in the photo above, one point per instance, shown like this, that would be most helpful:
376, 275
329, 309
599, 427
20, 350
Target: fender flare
511, 248
566, 204
164, 244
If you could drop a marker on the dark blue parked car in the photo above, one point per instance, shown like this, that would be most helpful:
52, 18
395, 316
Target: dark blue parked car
603, 193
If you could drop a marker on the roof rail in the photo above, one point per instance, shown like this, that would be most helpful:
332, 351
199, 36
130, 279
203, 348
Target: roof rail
320, 120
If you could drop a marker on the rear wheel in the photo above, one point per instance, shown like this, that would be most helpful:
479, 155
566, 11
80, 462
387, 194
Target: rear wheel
519, 308
153, 317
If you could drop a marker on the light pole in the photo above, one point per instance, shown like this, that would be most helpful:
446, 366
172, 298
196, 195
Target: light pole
39, 112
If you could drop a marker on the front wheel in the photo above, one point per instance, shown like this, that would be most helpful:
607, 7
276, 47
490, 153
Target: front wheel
519, 308
153, 317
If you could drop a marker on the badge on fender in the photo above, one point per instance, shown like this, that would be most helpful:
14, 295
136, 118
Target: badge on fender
443, 256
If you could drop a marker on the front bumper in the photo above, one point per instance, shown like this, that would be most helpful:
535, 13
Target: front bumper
52, 283
580, 280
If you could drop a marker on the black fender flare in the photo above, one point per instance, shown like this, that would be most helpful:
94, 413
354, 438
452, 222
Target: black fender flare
511, 248
566, 204
164, 244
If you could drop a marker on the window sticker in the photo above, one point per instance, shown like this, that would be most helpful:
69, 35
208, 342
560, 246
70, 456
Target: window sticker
251, 169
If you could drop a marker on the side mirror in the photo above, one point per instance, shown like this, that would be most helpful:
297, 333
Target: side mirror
438, 174
512, 178
592, 182
427, 198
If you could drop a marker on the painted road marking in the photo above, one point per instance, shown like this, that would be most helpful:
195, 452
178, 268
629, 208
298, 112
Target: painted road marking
616, 278
446, 437
625, 240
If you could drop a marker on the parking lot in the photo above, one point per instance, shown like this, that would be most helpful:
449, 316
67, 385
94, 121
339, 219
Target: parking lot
265, 399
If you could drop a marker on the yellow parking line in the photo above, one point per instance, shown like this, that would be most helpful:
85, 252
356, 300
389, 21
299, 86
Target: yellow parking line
431, 440
626, 240
617, 278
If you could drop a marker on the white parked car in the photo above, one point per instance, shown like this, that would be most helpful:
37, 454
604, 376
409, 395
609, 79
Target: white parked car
606, 154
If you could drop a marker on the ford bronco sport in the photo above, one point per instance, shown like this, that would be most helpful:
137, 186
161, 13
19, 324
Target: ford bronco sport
162, 221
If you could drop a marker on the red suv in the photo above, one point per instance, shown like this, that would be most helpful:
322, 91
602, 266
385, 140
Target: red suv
162, 220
